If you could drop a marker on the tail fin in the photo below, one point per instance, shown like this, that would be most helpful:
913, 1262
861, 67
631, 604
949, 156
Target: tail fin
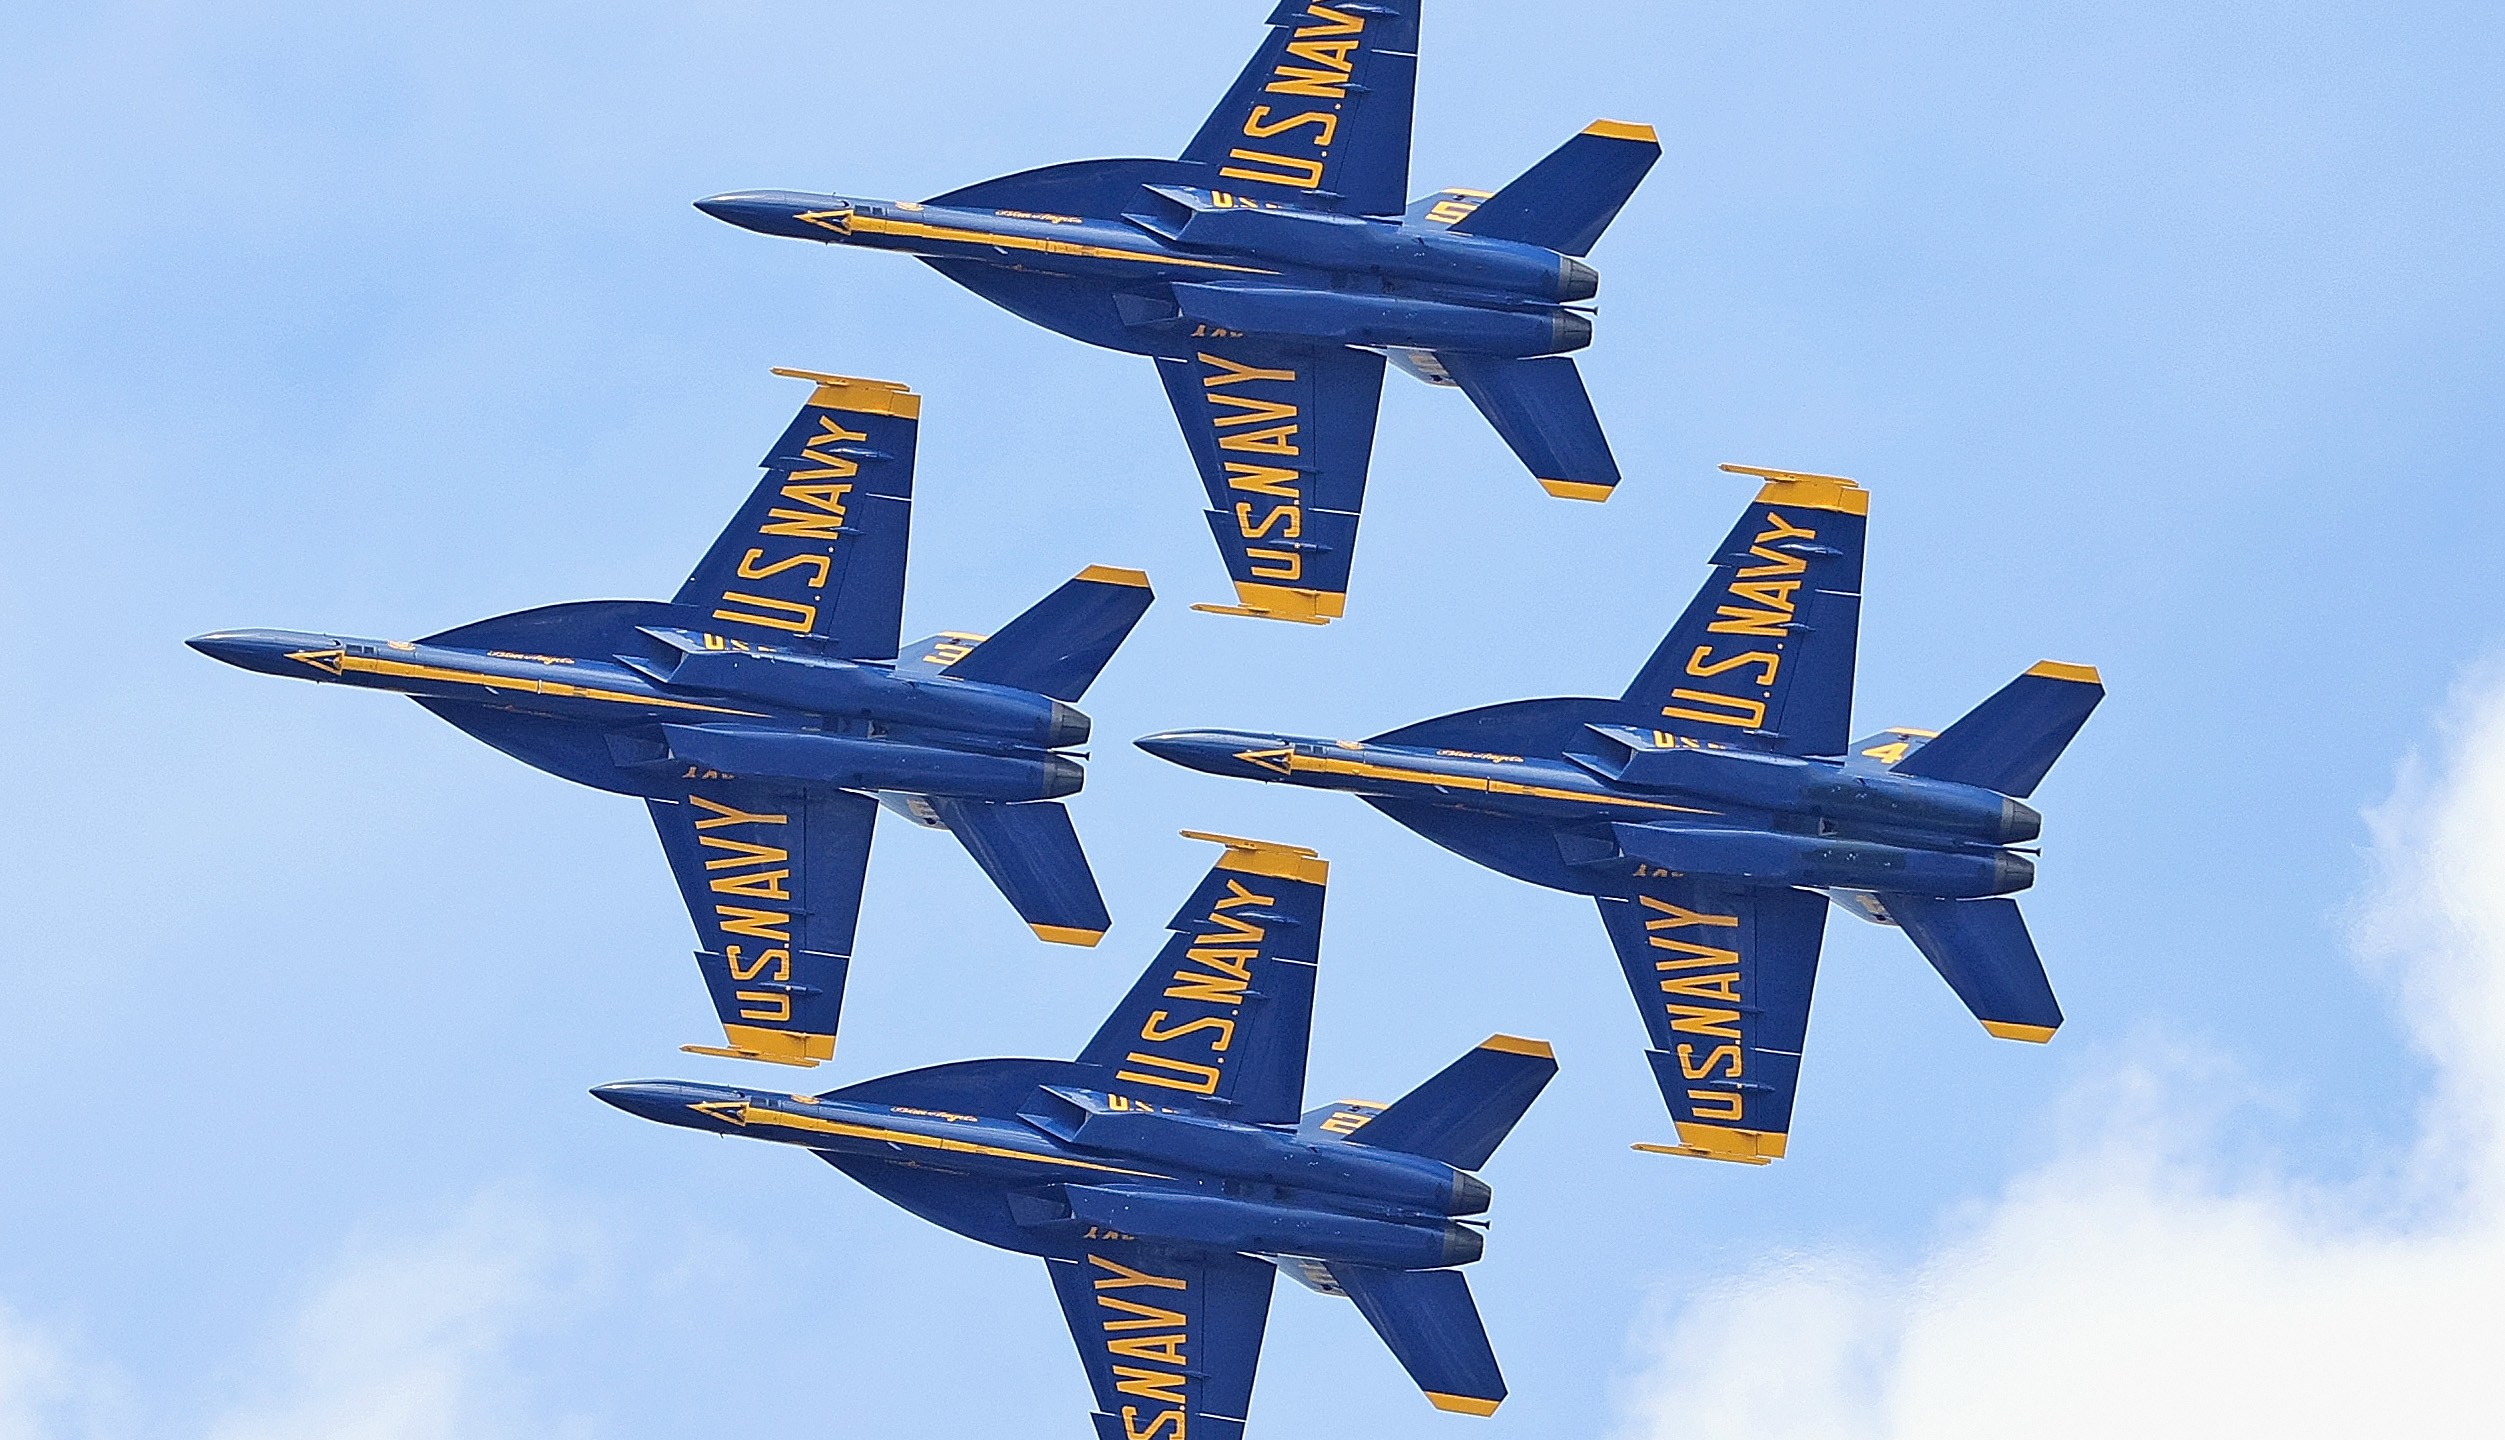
1433, 1328
2009, 741
1466, 1111
1982, 949
1061, 643
1033, 855
1541, 409
1567, 200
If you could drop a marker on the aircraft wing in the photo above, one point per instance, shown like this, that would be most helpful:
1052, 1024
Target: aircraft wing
818, 552
1762, 658
1223, 1015
772, 878
1320, 118
1170, 1338
1723, 976
1282, 434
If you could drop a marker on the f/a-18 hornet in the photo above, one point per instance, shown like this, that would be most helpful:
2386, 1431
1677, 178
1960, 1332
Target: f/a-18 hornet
1716, 808
766, 712
1274, 267
1165, 1175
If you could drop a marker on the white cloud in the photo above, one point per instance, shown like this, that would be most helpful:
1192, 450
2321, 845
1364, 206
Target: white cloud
2127, 1288
44, 1395
419, 1341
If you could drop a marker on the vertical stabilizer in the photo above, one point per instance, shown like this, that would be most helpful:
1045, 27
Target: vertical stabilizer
1031, 851
1469, 1107
1566, 201
1060, 645
2008, 742
1544, 413
1982, 949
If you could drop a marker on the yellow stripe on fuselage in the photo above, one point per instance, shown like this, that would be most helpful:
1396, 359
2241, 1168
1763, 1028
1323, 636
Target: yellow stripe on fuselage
557, 689
1369, 770
751, 1117
922, 230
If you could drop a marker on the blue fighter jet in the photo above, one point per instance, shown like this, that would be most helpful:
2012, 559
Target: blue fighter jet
1275, 267
1717, 807
1165, 1174
766, 713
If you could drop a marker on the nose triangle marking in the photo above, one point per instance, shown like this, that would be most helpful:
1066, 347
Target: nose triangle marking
1268, 759
333, 661
734, 1112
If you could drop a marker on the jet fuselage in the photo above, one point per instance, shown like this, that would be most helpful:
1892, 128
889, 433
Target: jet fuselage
1078, 1162
721, 710
1197, 264
1638, 805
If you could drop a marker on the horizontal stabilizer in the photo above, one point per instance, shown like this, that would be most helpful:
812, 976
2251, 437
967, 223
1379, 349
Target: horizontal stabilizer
1564, 202
1522, 727
1076, 187
1541, 409
1463, 1113
1982, 949
2009, 741
1060, 644
1433, 1329
1033, 855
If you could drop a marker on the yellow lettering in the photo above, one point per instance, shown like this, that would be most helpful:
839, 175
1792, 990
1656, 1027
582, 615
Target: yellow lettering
1700, 1020
1150, 1317
1722, 1055
748, 854
1208, 989
1772, 624
1253, 410
802, 525
741, 969
1340, 23
1334, 53
1888, 754
1679, 917
1263, 479
755, 884
1126, 1278
1280, 564
1236, 898
1182, 1074
1149, 1384
748, 567
1297, 80
755, 924
1784, 530
731, 815
1156, 1428
1774, 594
1770, 660
1699, 956
1166, 1349
1259, 126
1721, 985
772, 1006
1289, 170
1738, 713
1154, 1035
1728, 1104
793, 615
1777, 563
1231, 373
1290, 516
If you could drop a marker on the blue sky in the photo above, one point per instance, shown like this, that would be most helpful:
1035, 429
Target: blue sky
2166, 336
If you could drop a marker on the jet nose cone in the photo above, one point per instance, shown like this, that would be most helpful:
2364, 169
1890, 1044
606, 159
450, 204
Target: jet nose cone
1221, 752
667, 1101
782, 212
271, 652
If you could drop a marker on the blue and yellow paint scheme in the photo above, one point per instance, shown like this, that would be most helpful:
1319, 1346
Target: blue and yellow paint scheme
1166, 1174
1275, 267
767, 711
1717, 807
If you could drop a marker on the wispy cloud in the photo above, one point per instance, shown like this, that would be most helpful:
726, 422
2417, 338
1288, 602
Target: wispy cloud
424, 1340
44, 1393
2128, 1287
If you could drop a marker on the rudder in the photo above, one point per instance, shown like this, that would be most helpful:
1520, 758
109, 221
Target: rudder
1062, 642
1564, 202
1468, 1108
2008, 742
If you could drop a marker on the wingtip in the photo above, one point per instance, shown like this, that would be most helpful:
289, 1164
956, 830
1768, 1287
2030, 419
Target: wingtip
858, 396
1801, 487
1115, 575
1463, 1404
1068, 935
2030, 1034
1267, 857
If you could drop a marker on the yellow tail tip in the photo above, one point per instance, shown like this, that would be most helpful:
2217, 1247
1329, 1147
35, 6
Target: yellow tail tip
1516, 1045
1463, 1404
1067, 935
2060, 670
2031, 1034
1115, 575
1578, 490
1623, 130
